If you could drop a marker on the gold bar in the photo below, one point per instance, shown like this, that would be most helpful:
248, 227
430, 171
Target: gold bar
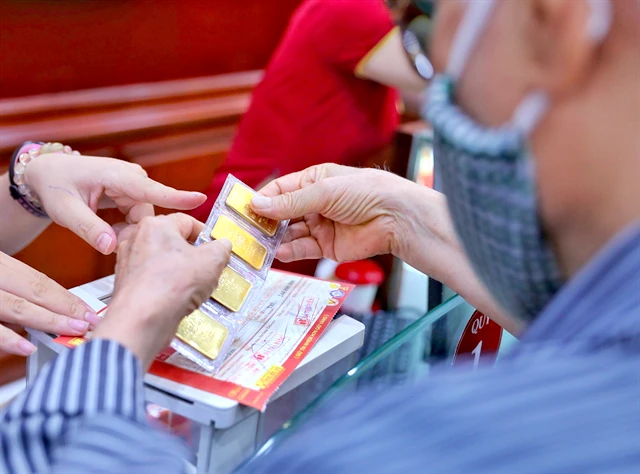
203, 333
244, 245
239, 200
232, 290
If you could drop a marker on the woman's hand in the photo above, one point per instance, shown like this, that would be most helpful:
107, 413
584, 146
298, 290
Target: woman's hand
160, 278
72, 188
337, 212
29, 298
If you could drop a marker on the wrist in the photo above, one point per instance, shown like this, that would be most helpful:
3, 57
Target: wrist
401, 199
136, 325
129, 338
119, 327
22, 186
423, 226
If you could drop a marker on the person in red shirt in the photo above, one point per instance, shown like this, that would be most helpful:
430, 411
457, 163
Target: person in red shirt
328, 95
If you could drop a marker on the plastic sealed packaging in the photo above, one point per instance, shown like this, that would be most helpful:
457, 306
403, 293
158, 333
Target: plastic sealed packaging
206, 335
255, 239
205, 338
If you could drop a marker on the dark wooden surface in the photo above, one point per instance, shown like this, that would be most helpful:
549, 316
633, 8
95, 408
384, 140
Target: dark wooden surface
67, 45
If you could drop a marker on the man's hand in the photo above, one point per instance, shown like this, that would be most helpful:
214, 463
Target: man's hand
29, 298
160, 278
337, 212
346, 213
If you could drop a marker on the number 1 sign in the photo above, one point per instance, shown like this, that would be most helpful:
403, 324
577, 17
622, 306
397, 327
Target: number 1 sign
481, 337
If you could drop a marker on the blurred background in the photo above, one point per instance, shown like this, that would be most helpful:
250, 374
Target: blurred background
65, 45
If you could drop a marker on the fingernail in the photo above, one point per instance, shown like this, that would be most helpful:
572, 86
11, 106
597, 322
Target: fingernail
104, 242
261, 202
199, 195
78, 325
92, 318
26, 348
227, 243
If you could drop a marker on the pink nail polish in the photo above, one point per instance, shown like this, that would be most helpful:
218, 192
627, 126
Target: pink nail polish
78, 325
26, 348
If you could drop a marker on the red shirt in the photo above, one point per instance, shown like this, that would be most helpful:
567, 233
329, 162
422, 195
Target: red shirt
311, 107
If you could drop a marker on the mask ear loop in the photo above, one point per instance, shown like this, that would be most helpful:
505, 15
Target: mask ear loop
600, 20
530, 111
471, 27
475, 20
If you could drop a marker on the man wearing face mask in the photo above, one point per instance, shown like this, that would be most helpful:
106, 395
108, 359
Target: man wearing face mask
536, 113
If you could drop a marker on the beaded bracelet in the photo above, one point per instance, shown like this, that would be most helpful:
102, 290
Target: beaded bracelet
17, 167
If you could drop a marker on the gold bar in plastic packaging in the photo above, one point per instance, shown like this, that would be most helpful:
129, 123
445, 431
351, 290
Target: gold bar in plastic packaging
239, 200
232, 290
203, 333
244, 245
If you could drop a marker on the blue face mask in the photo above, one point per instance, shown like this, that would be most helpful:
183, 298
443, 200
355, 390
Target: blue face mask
488, 177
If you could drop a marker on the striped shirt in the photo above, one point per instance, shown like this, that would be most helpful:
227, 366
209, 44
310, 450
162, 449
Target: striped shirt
85, 413
567, 399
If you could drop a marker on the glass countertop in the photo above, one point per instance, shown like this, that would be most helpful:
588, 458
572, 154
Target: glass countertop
404, 358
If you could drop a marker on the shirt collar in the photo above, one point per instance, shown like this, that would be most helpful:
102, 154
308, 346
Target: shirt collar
600, 304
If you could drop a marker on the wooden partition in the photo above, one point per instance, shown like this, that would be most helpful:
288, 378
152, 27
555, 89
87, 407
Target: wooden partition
66, 45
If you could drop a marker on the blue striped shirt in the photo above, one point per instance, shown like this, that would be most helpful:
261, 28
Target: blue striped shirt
85, 413
567, 399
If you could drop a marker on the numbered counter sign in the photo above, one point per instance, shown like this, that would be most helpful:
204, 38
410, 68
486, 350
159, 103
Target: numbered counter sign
481, 338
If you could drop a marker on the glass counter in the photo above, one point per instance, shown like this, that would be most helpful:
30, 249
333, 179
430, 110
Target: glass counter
402, 359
